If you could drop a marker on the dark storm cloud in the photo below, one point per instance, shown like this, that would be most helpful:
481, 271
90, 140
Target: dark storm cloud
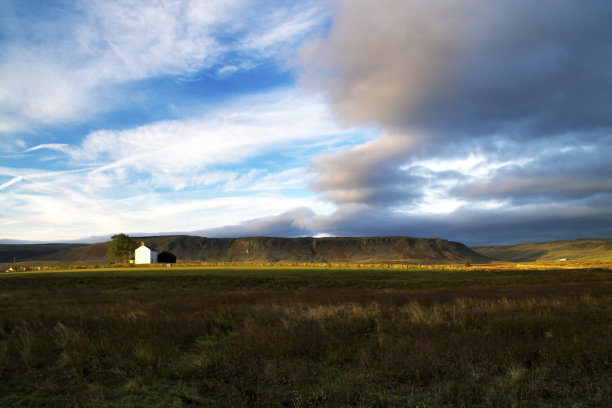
370, 173
523, 86
468, 67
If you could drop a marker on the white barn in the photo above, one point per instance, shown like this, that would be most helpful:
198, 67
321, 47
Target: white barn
144, 255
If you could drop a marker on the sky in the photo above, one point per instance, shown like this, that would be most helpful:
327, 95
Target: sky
481, 122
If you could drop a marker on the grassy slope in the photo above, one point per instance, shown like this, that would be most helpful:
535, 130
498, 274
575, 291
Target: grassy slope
301, 337
270, 249
550, 251
24, 252
339, 249
322, 250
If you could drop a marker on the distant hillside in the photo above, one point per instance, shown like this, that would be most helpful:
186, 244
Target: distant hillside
549, 251
95, 253
267, 249
342, 249
26, 252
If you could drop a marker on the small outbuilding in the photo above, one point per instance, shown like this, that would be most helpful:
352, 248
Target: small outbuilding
144, 255
166, 257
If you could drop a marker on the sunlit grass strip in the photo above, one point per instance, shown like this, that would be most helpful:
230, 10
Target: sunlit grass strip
549, 265
292, 278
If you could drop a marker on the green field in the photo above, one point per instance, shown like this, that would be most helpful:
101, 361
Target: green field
577, 249
306, 337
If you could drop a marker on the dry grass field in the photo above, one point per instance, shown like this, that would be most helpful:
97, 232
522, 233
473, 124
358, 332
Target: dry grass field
230, 336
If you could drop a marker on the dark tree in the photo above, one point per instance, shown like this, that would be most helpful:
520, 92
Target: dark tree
121, 247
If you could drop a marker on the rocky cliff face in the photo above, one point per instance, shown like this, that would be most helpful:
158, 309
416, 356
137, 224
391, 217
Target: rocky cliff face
269, 249
346, 249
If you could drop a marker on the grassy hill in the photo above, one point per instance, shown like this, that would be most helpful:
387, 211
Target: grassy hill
26, 252
591, 248
339, 249
342, 249
269, 249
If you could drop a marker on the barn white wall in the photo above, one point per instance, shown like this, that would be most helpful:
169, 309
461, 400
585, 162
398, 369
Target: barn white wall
144, 255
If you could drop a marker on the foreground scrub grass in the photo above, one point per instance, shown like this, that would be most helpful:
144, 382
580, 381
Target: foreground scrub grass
78, 342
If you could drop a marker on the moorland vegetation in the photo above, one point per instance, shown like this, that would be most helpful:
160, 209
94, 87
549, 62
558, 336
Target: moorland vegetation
372, 250
232, 336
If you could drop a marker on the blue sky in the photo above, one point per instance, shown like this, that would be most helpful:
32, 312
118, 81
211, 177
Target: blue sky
472, 121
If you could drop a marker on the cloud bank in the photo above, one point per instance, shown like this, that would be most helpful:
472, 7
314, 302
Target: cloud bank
521, 88
462, 69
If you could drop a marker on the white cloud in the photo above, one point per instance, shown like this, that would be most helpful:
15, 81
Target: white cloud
60, 70
170, 150
61, 147
204, 172
71, 213
21, 175
284, 28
